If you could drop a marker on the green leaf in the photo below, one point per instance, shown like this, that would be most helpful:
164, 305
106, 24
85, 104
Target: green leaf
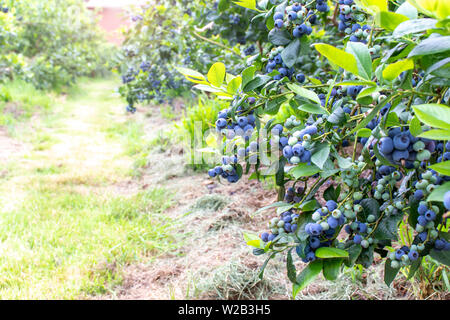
370, 207
279, 37
414, 26
442, 256
389, 272
192, 75
291, 271
216, 74
257, 82
307, 276
303, 170
439, 192
249, 4
431, 46
373, 5
330, 252
273, 205
337, 117
308, 205
312, 108
234, 85
363, 59
388, 227
413, 268
305, 93
371, 115
338, 57
247, 75
252, 239
441, 167
290, 53
434, 115
331, 268
393, 70
353, 253
414, 127
407, 10
320, 155
389, 20
435, 8
364, 132
438, 134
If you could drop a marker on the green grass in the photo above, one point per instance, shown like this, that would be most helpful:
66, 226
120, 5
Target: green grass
19, 100
67, 228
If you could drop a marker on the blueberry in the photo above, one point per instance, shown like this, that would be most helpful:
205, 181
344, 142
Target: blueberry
314, 242
277, 129
421, 209
399, 254
430, 215
221, 123
279, 23
331, 205
306, 156
310, 256
401, 141
386, 145
264, 236
298, 149
413, 255
398, 155
212, 173
316, 229
422, 221
418, 194
292, 15
447, 200
357, 239
439, 244
300, 77
278, 16
332, 222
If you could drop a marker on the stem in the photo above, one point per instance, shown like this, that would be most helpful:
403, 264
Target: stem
216, 43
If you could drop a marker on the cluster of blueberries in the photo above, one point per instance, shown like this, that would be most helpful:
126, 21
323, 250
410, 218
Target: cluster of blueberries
286, 223
295, 146
401, 146
4, 9
348, 22
249, 50
129, 76
275, 62
244, 127
234, 18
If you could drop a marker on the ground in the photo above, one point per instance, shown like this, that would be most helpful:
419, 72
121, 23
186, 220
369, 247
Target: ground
99, 204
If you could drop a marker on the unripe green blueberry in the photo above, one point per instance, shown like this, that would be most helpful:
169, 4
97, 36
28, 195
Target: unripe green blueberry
435, 209
292, 140
419, 146
325, 226
399, 205
414, 247
430, 225
392, 255
405, 258
365, 243
419, 228
377, 195
349, 214
281, 230
369, 229
385, 196
306, 137
380, 188
280, 224
275, 231
433, 179
430, 188
316, 216
371, 218
370, 240
434, 234
420, 247
357, 195
295, 160
324, 210
358, 208
423, 155
348, 206
381, 97
336, 213
395, 264
354, 226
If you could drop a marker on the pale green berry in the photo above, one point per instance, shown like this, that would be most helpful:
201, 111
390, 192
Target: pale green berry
358, 208
423, 155
357, 195
385, 196
434, 234
371, 218
430, 225
420, 247
365, 244
395, 264
336, 213
294, 160
377, 195
316, 216
419, 228
325, 226
430, 188
292, 141
280, 224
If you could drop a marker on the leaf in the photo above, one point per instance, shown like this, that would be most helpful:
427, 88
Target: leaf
439, 192
442, 256
263, 267
413, 268
363, 59
393, 70
256, 82
389, 272
436, 8
441, 167
216, 74
431, 46
192, 75
249, 4
414, 127
247, 75
387, 228
252, 240
389, 20
320, 155
305, 93
290, 53
437, 134
330, 252
353, 253
373, 5
279, 37
291, 271
414, 26
307, 276
312, 108
303, 170
434, 115
371, 115
407, 10
337, 117
234, 85
370, 207
273, 205
338, 57
442, 64
331, 268
308, 205
364, 132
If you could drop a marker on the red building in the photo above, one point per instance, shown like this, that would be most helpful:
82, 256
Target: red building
114, 15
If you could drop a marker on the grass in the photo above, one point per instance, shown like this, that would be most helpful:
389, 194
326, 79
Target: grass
66, 227
19, 100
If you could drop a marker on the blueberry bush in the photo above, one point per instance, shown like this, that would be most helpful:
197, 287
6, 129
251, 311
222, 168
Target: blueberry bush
190, 34
53, 42
362, 160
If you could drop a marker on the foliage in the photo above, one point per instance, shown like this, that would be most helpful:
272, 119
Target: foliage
368, 86
54, 42
180, 33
